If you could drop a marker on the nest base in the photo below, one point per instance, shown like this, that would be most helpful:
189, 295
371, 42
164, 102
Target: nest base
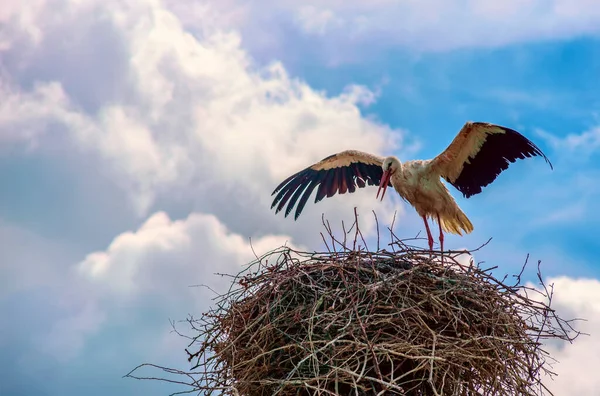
354, 322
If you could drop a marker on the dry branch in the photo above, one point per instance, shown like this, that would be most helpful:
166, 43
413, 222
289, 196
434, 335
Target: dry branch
354, 322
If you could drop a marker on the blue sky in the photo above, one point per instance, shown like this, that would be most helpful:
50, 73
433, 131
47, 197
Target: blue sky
140, 143
533, 87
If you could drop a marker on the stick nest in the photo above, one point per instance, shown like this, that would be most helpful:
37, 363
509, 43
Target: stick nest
354, 322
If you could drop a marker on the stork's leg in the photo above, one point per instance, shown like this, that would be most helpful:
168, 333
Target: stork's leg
429, 236
441, 238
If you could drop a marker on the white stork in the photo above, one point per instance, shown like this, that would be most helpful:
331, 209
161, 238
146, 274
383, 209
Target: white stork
476, 156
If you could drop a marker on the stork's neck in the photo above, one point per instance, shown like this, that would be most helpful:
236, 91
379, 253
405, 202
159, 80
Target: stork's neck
398, 169
397, 176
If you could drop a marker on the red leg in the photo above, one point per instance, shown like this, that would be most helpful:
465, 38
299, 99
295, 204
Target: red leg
441, 234
429, 236
441, 238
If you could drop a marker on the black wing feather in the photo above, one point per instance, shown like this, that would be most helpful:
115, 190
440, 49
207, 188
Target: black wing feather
305, 196
333, 187
343, 185
349, 180
373, 176
299, 186
284, 195
494, 156
325, 185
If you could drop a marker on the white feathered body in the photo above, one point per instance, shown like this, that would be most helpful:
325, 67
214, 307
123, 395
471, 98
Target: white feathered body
421, 187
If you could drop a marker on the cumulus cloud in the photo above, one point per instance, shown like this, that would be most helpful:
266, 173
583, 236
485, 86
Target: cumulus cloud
351, 30
163, 256
432, 25
154, 267
195, 118
186, 122
578, 362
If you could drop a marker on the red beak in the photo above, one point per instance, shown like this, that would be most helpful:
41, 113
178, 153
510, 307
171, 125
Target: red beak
385, 179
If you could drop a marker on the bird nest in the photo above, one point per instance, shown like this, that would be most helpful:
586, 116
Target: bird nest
354, 322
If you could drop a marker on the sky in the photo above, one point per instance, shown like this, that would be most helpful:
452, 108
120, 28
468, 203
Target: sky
140, 142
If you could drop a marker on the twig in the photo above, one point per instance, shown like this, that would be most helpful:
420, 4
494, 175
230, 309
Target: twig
353, 321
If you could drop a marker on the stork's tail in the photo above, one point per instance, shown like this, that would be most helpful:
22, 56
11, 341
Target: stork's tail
457, 223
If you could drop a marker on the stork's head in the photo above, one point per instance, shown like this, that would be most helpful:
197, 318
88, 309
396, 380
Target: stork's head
391, 163
390, 166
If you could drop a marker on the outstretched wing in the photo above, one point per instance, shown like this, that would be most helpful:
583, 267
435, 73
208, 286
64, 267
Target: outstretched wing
479, 153
339, 172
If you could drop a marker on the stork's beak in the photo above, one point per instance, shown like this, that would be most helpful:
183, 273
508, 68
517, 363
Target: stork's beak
385, 179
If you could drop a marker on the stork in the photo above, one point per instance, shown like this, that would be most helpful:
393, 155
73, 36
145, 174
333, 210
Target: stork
477, 155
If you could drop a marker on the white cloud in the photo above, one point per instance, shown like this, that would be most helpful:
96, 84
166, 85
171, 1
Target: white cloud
585, 143
317, 21
352, 30
155, 265
22, 18
465, 259
175, 120
23, 115
573, 298
578, 362
442, 25
163, 256
195, 114
349, 29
